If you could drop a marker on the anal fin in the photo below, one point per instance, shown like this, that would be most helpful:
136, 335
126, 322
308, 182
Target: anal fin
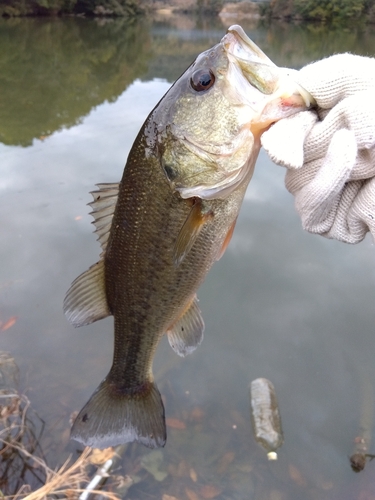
186, 334
86, 301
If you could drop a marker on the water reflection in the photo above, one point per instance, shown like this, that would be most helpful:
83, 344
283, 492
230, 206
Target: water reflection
282, 304
53, 72
295, 45
299, 44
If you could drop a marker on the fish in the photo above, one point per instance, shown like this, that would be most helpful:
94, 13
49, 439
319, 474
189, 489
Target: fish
168, 220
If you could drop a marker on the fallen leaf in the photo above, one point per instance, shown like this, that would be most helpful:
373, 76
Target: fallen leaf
8, 324
172, 469
238, 418
183, 469
175, 423
245, 467
191, 494
168, 497
193, 475
296, 475
197, 413
225, 461
276, 495
99, 457
210, 491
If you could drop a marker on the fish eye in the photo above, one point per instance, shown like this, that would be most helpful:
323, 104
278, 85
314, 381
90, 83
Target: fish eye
202, 80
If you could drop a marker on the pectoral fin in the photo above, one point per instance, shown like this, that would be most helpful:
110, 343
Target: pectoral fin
227, 240
187, 333
190, 230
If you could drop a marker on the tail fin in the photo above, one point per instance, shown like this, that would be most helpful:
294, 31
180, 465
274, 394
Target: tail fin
111, 417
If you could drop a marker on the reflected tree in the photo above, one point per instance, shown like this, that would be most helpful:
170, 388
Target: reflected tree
127, 8
53, 72
330, 11
296, 44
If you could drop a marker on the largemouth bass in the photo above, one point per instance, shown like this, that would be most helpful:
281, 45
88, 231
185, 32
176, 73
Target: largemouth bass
168, 220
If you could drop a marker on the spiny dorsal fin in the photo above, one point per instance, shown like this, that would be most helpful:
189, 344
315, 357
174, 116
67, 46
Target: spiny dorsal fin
85, 301
103, 207
187, 333
190, 230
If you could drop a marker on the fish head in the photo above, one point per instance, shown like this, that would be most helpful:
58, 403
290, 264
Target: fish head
206, 130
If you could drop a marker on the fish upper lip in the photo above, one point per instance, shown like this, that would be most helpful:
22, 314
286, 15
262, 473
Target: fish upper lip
240, 48
237, 38
256, 67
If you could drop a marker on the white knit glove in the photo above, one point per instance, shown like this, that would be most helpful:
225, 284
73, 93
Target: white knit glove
330, 152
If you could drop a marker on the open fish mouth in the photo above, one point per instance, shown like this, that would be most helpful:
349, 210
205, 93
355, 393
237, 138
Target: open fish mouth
261, 72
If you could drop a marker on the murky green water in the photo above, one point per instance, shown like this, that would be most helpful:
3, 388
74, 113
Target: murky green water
281, 304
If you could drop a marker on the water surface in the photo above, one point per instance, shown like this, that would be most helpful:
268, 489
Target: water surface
282, 304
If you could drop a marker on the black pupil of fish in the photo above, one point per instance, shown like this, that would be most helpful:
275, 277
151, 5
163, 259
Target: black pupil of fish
202, 80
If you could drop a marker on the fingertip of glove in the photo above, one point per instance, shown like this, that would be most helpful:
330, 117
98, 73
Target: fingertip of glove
285, 139
333, 78
342, 151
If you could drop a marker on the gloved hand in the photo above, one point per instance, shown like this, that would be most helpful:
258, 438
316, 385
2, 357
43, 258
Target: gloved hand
330, 152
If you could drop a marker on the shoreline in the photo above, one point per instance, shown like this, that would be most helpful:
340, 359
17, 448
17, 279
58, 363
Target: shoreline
227, 11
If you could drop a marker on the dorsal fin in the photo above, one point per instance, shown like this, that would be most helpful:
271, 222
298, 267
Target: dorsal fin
185, 335
86, 301
103, 207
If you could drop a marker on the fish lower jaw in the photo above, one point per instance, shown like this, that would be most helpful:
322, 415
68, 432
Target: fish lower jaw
282, 107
